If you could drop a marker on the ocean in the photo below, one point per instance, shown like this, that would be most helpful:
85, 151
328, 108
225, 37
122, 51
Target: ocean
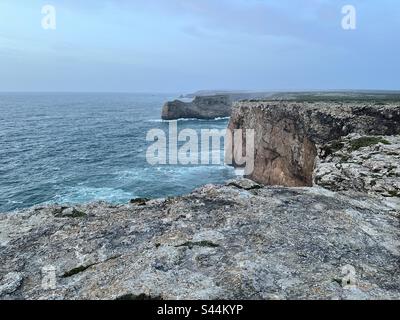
77, 148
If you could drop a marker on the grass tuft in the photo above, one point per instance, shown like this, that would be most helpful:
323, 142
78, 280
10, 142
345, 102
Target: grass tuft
366, 142
140, 297
191, 245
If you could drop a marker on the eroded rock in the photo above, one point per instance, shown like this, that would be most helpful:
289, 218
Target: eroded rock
219, 242
288, 134
366, 164
203, 107
10, 283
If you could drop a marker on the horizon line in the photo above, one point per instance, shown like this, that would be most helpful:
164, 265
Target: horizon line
205, 90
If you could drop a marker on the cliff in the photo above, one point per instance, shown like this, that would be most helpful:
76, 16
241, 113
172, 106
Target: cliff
289, 135
236, 241
339, 239
205, 107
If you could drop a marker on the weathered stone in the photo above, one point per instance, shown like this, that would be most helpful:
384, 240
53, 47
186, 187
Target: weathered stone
288, 134
10, 283
219, 242
245, 184
365, 164
140, 201
66, 212
205, 107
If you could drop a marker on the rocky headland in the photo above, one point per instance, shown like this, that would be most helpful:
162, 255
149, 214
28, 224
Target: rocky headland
289, 135
319, 219
202, 107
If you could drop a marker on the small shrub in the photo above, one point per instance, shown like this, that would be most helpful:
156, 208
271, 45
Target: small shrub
140, 201
394, 193
75, 271
332, 147
140, 297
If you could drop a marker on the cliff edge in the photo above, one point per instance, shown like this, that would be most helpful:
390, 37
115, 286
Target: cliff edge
289, 135
241, 240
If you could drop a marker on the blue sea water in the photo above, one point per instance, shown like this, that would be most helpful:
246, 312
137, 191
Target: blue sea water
78, 148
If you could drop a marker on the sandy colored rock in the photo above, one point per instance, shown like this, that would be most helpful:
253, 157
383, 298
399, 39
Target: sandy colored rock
288, 134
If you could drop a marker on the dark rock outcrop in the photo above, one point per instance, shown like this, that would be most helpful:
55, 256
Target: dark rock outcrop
289, 134
238, 241
207, 107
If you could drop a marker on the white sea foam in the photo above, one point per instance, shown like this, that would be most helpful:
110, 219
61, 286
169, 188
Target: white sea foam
188, 119
83, 194
105, 146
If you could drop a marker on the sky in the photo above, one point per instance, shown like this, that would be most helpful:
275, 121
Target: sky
188, 45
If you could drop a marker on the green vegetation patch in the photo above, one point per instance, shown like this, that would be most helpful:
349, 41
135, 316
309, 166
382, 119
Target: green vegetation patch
65, 212
394, 193
191, 244
366, 142
237, 185
83, 268
140, 201
78, 214
75, 271
140, 297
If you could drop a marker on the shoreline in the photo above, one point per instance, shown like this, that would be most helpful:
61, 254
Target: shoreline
337, 239
290, 243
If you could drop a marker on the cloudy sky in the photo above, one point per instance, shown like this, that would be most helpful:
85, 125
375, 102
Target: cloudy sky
187, 45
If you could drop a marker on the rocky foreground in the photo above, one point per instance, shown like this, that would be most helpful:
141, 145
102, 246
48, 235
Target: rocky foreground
332, 233
237, 241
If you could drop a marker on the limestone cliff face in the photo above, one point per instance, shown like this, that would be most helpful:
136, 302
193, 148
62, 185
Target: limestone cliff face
206, 107
289, 134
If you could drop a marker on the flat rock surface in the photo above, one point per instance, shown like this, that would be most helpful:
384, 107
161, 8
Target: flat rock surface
237, 241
